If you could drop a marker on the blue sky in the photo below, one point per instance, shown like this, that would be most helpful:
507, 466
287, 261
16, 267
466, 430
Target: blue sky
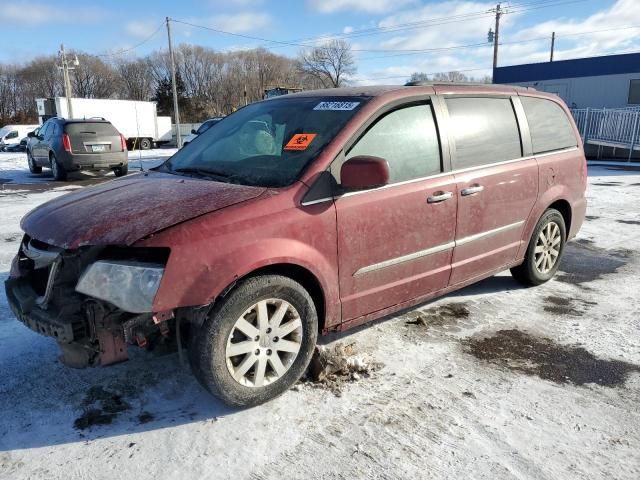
34, 27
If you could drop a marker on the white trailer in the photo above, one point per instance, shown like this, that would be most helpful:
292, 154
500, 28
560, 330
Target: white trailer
137, 121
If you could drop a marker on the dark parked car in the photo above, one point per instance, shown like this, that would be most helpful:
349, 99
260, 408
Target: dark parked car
301, 215
71, 145
17, 147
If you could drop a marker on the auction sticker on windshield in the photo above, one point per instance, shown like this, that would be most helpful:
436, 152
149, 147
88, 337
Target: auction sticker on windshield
336, 105
300, 141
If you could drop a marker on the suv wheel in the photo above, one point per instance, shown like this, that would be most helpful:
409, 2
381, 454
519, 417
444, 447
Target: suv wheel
58, 172
544, 251
33, 168
257, 342
145, 144
121, 171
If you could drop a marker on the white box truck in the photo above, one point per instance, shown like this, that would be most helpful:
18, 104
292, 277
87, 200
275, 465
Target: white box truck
137, 121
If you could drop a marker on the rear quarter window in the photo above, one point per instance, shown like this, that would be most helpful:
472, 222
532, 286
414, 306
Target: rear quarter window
548, 124
485, 130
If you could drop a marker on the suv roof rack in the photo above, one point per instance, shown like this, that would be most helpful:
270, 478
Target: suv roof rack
429, 83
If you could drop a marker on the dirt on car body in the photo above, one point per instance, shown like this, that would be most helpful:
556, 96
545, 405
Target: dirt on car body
542, 357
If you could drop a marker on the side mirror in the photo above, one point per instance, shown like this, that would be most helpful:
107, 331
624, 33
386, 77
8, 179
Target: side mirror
364, 171
193, 130
31, 134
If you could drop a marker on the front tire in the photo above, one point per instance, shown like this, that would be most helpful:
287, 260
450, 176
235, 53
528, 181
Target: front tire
33, 168
544, 252
57, 170
257, 341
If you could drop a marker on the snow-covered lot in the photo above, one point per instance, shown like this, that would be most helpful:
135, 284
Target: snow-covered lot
495, 381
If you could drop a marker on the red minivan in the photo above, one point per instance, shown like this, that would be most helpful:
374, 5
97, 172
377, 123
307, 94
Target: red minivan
300, 215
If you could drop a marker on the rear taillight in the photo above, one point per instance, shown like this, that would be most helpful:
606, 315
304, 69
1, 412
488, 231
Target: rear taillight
66, 143
123, 143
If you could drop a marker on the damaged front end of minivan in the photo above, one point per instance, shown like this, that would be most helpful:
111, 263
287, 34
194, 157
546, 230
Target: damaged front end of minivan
93, 300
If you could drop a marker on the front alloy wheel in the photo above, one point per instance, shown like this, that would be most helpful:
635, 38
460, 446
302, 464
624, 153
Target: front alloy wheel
256, 342
264, 343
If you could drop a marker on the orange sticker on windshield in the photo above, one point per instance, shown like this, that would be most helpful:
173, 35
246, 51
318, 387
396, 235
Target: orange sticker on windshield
300, 141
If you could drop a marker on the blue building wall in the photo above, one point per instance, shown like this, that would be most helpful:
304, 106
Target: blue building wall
581, 67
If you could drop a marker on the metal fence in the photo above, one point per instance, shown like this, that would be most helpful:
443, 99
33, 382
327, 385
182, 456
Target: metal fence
617, 128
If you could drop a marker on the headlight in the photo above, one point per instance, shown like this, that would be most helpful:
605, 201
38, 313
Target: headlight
130, 286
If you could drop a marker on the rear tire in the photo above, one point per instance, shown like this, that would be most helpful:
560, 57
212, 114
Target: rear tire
274, 351
121, 171
33, 168
57, 170
544, 252
145, 144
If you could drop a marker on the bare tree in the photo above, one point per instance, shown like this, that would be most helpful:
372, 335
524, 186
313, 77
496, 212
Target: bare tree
453, 76
330, 63
135, 79
93, 78
418, 77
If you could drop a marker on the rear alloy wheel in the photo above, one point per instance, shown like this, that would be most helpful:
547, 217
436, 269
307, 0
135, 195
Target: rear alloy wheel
33, 168
544, 252
58, 172
257, 342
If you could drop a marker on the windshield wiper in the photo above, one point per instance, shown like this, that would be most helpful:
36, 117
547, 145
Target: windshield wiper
203, 172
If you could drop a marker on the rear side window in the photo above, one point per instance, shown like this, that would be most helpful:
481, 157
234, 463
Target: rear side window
407, 139
485, 131
91, 128
549, 126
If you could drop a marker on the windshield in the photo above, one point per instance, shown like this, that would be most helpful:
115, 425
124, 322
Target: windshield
266, 143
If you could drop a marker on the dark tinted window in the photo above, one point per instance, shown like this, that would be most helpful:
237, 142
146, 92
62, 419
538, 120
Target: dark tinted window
549, 125
95, 128
13, 134
634, 91
407, 139
44, 128
485, 131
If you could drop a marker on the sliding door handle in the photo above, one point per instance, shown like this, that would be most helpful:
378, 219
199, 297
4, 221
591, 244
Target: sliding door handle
471, 190
439, 197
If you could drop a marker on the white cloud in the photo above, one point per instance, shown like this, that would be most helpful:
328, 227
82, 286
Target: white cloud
140, 29
240, 22
29, 13
369, 6
348, 29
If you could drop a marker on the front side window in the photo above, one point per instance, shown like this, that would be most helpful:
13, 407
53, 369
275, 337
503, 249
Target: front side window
11, 135
548, 124
485, 131
407, 139
267, 143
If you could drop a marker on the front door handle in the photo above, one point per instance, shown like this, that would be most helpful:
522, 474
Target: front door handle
439, 197
471, 190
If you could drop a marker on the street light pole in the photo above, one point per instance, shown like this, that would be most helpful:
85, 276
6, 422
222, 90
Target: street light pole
67, 82
175, 89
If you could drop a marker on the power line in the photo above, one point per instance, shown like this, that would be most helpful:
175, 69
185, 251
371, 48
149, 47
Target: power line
120, 52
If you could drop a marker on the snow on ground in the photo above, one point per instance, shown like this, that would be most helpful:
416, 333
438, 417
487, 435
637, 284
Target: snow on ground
510, 382
14, 167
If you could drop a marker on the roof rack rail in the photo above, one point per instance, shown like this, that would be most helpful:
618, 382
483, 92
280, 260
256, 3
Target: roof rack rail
429, 83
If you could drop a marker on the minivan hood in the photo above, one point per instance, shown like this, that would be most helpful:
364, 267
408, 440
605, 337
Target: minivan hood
123, 211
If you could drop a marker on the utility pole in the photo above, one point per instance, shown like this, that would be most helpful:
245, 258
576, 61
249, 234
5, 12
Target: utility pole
175, 89
553, 44
496, 35
65, 75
